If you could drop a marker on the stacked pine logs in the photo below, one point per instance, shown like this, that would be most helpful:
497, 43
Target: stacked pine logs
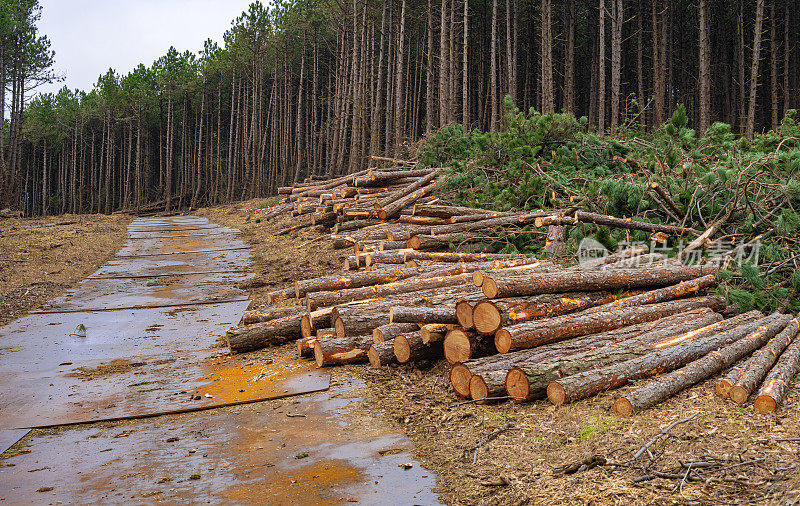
423, 283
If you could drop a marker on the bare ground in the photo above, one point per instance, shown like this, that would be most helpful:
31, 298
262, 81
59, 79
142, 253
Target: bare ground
38, 262
759, 454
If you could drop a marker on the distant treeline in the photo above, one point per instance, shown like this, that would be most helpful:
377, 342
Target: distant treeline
315, 87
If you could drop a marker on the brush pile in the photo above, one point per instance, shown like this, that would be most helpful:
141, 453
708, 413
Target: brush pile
425, 282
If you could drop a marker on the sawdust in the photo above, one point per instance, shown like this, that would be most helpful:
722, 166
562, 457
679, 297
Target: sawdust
114, 367
38, 263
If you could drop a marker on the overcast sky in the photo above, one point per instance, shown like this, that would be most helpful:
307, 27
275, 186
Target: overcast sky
89, 36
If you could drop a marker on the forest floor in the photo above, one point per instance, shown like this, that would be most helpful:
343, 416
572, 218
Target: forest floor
42, 257
759, 454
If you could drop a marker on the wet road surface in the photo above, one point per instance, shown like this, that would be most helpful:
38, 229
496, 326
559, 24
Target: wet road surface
166, 414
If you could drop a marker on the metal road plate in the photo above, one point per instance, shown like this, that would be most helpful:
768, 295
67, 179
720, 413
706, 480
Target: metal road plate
180, 245
149, 386
9, 437
107, 294
40, 342
189, 263
243, 455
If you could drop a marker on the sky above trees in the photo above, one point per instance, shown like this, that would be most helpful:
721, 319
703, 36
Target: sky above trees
91, 36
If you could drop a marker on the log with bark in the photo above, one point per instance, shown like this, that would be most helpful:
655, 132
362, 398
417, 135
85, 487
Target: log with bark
423, 315
329, 298
536, 333
391, 330
342, 350
441, 242
425, 186
504, 221
434, 332
461, 345
453, 256
611, 221
382, 353
668, 385
489, 316
352, 280
724, 385
279, 295
440, 211
658, 329
779, 379
359, 322
585, 384
409, 347
528, 380
484, 387
576, 281
511, 272
313, 320
260, 335
760, 365
270, 313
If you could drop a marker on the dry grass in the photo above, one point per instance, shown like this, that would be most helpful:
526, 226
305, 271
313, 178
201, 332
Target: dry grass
39, 263
520, 466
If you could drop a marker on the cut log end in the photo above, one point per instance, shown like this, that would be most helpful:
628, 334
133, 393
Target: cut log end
414, 242
517, 385
402, 349
489, 287
374, 356
765, 404
319, 357
556, 393
738, 395
391, 315
464, 314
622, 406
486, 317
723, 388
338, 325
478, 389
305, 326
382, 214
460, 377
457, 346
477, 278
502, 341
377, 337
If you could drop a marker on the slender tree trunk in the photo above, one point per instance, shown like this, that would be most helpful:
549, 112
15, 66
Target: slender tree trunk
547, 57
616, 60
569, 57
429, 72
443, 65
751, 109
601, 69
773, 66
493, 70
399, 114
465, 113
704, 81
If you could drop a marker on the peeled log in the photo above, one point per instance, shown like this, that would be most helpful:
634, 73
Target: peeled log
342, 350
461, 345
762, 362
270, 313
535, 333
669, 358
489, 316
382, 353
656, 330
668, 385
779, 379
409, 347
391, 330
330, 298
261, 335
724, 385
576, 281
422, 315
528, 380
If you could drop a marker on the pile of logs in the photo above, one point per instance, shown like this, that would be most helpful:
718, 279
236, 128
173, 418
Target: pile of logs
423, 283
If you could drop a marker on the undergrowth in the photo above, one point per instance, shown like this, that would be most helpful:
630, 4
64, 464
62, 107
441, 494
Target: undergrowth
554, 161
